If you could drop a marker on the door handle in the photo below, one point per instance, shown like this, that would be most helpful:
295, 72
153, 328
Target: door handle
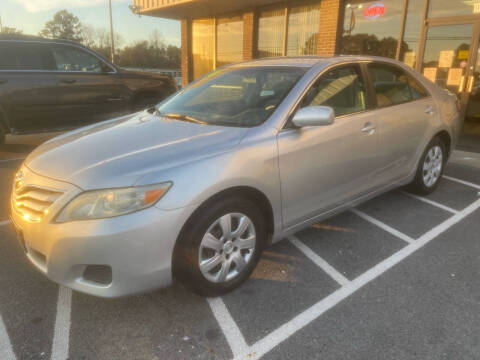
115, 99
369, 128
429, 110
68, 81
3, 81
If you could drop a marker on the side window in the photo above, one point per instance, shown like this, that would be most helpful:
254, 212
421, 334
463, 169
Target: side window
390, 84
69, 58
25, 56
8, 58
416, 89
342, 89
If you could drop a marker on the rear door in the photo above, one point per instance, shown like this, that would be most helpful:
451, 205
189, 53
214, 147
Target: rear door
27, 85
403, 112
89, 89
322, 167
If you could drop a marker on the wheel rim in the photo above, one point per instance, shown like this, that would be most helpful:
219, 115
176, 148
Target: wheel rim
227, 247
432, 166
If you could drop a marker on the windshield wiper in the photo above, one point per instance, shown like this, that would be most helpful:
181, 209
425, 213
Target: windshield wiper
183, 117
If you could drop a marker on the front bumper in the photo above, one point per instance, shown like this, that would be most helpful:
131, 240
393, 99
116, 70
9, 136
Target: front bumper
138, 248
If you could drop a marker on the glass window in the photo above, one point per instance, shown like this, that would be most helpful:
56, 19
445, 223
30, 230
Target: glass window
8, 59
229, 40
26, 56
442, 8
390, 84
271, 25
445, 58
411, 35
372, 27
69, 58
342, 89
303, 28
242, 97
202, 46
416, 89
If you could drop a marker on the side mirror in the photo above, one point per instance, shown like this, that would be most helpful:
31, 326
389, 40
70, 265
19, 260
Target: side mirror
314, 116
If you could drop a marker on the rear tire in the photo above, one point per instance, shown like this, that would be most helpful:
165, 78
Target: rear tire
430, 168
211, 261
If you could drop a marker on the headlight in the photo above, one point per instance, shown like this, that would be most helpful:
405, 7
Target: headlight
107, 203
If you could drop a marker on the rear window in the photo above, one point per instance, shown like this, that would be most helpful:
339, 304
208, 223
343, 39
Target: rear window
8, 58
25, 56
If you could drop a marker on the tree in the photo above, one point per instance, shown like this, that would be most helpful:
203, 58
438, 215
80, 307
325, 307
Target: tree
64, 25
10, 30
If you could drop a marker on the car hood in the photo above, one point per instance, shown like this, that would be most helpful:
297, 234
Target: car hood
119, 152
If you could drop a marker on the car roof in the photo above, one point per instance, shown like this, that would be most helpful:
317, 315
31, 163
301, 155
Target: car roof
309, 61
32, 38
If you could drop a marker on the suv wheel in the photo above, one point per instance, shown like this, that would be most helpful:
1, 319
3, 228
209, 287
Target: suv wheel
220, 246
430, 168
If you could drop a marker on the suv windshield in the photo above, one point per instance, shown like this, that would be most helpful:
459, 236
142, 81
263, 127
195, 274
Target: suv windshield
242, 97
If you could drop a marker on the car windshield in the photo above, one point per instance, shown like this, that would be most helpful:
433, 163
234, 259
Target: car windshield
242, 97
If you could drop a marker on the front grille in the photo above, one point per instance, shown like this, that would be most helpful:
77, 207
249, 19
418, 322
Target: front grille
32, 202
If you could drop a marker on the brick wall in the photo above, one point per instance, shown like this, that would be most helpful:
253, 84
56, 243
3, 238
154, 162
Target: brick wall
186, 43
331, 22
248, 35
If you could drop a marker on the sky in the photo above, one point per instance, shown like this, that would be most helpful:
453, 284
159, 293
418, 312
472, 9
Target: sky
31, 16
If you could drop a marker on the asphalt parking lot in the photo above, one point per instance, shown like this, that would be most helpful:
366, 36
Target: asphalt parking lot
395, 278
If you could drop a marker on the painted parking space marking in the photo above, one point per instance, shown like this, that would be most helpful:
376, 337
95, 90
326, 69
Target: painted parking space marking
431, 202
383, 226
467, 183
61, 335
260, 348
4, 222
6, 350
229, 327
321, 263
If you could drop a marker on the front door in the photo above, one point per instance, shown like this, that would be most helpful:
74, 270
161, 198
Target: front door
450, 60
322, 167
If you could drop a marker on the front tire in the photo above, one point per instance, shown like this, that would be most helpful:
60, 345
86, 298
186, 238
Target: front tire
430, 168
220, 246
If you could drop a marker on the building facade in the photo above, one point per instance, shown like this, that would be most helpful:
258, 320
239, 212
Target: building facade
439, 38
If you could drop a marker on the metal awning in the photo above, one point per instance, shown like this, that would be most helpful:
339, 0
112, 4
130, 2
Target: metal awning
181, 9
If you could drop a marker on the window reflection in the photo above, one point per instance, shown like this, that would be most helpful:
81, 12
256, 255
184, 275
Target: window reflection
270, 33
411, 35
372, 27
303, 27
202, 46
229, 40
443, 8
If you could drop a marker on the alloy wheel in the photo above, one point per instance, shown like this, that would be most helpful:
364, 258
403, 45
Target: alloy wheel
227, 247
432, 166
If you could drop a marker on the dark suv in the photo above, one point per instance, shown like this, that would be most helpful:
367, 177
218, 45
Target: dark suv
50, 85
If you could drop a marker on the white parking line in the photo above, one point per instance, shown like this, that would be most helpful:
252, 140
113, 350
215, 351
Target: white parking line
475, 186
228, 325
428, 201
61, 335
321, 263
6, 350
4, 222
383, 226
260, 348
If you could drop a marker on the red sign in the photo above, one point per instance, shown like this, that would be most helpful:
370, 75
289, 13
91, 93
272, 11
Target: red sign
374, 11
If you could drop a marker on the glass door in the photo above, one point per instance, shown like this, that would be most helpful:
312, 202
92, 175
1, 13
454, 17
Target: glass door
450, 60
470, 138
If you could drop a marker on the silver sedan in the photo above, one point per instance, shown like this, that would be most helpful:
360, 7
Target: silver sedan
197, 186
